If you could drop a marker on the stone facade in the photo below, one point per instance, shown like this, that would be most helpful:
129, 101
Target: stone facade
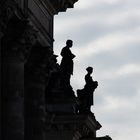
26, 35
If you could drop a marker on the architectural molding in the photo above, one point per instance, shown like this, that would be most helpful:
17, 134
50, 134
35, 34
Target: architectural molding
46, 36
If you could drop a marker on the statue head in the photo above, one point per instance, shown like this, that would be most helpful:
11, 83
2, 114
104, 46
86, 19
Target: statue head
69, 43
89, 69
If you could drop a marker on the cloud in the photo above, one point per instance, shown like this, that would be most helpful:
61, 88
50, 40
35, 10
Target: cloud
128, 69
106, 36
119, 115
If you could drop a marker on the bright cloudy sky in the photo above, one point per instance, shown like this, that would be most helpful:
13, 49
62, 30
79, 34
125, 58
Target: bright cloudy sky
106, 35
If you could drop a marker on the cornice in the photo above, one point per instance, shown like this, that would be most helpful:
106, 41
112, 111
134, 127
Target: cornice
62, 5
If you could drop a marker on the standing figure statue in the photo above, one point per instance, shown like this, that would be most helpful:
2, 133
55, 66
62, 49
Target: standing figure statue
86, 94
66, 65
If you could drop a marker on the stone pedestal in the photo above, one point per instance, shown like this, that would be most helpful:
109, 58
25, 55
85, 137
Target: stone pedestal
61, 102
71, 127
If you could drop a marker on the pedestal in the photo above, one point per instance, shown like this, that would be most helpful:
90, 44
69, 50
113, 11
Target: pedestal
71, 127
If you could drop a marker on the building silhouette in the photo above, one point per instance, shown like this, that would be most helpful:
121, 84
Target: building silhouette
35, 106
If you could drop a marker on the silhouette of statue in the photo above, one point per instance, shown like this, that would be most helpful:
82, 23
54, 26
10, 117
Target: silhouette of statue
66, 65
86, 95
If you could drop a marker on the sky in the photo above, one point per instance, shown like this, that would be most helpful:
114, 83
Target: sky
106, 36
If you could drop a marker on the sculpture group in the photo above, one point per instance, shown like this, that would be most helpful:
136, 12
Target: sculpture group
84, 95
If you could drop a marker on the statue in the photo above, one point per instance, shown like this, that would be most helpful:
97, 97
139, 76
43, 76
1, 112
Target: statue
85, 95
66, 65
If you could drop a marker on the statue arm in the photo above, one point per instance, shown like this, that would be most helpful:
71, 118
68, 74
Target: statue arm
66, 53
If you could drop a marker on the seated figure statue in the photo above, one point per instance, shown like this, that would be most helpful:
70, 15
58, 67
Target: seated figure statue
85, 95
